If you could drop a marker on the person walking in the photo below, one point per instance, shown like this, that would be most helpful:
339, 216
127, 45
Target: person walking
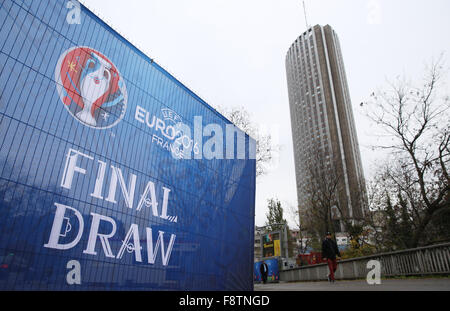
264, 269
329, 252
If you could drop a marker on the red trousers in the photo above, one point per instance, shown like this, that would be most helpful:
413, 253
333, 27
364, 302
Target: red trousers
332, 266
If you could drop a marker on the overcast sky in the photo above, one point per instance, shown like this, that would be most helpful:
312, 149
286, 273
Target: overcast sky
232, 53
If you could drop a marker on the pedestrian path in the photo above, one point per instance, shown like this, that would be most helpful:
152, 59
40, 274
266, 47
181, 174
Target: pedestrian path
431, 284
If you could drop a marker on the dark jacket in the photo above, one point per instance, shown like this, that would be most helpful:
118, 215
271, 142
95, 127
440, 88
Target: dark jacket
330, 249
261, 269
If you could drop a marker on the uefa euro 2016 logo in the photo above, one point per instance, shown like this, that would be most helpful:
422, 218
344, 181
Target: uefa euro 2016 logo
91, 87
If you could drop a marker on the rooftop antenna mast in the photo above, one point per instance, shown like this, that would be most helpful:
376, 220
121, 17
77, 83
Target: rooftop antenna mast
306, 19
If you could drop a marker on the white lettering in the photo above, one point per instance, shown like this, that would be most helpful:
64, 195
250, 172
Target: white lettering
71, 167
99, 181
128, 192
74, 15
140, 114
136, 246
74, 275
165, 203
152, 252
230, 130
104, 238
55, 233
213, 147
149, 189
374, 275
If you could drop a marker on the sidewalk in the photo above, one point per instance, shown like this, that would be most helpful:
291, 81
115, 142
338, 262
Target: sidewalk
425, 284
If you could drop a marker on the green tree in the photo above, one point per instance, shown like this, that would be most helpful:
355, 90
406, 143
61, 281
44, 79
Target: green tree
275, 219
276, 222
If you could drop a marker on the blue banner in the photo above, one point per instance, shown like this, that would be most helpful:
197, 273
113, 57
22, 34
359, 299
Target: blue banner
112, 176
273, 274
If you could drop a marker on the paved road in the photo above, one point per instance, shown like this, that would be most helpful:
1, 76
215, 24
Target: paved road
432, 284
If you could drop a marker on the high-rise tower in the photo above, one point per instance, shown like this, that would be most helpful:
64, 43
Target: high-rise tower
322, 120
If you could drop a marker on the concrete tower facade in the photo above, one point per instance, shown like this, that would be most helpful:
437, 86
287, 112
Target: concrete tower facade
322, 120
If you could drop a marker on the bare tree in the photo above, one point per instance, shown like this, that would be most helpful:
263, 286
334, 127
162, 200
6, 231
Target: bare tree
415, 121
321, 189
303, 236
265, 147
322, 211
375, 220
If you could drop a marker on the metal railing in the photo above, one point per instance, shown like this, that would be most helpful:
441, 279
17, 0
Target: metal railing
433, 259
428, 260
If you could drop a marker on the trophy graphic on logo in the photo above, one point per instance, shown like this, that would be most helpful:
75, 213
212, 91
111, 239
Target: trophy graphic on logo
94, 84
91, 87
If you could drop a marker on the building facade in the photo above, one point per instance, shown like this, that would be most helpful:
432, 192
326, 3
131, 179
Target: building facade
323, 129
257, 249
